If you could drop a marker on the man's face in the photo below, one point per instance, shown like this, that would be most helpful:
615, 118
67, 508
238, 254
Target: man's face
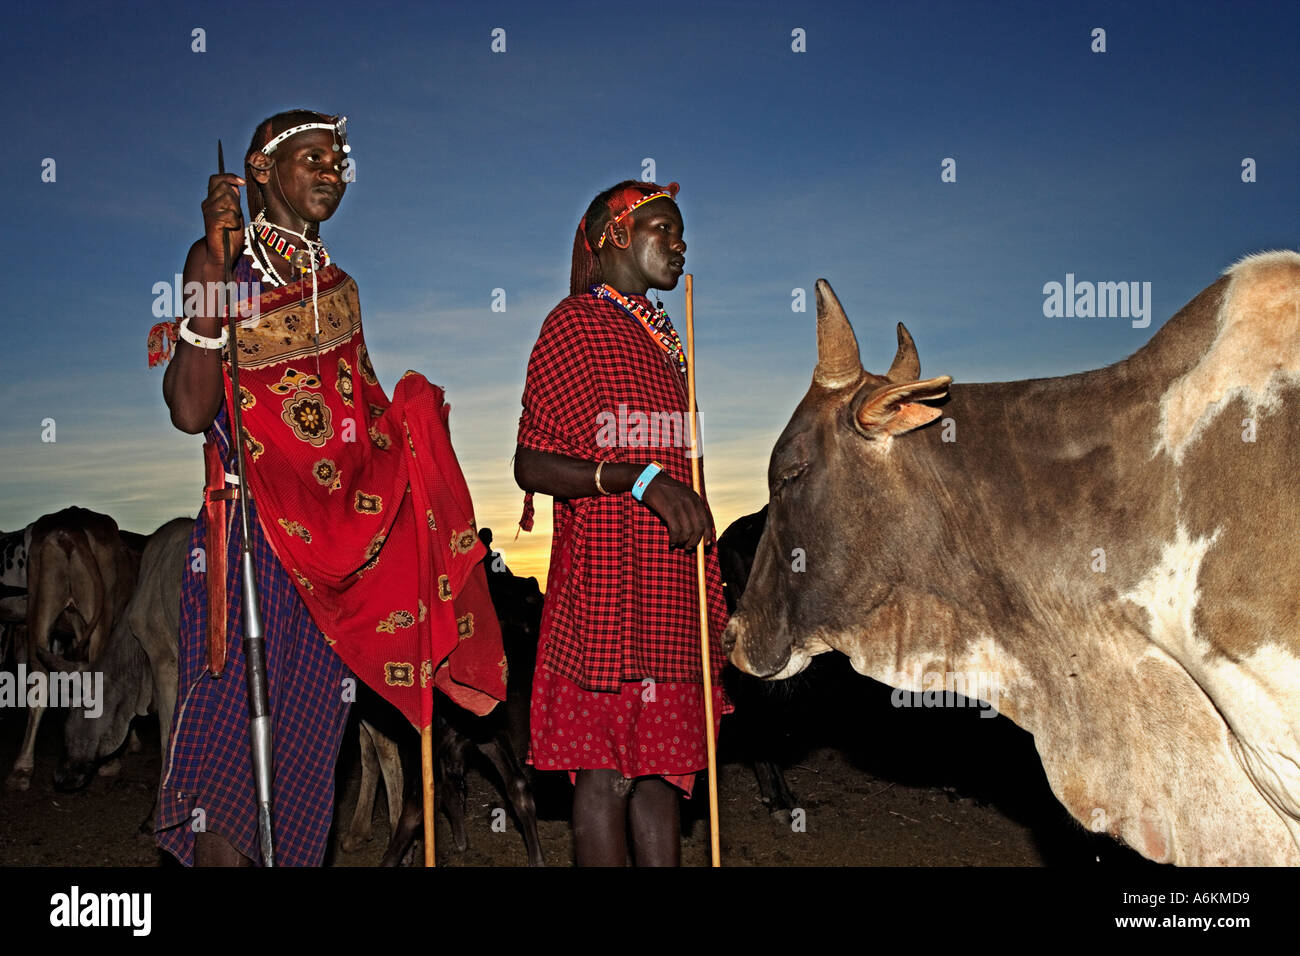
658, 251
308, 171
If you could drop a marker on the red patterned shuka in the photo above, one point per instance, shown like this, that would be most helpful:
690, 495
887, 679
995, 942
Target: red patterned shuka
364, 502
620, 605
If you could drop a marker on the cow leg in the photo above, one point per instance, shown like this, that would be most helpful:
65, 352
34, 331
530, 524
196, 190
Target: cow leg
41, 616
404, 834
164, 683
166, 706
772, 788
20, 778
86, 589
389, 754
453, 788
148, 824
408, 823
360, 829
517, 791
757, 730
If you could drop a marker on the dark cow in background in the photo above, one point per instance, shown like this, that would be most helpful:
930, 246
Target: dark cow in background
1112, 553
736, 549
390, 747
78, 568
758, 729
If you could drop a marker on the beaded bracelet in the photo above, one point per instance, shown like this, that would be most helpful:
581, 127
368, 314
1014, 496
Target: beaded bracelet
203, 341
647, 476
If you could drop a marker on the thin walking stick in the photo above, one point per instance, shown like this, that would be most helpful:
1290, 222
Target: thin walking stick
426, 780
705, 656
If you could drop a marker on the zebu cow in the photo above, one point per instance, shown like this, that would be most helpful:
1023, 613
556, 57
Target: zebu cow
1114, 550
77, 562
139, 662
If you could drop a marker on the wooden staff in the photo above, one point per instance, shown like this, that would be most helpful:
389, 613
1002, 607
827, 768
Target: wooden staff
705, 656
426, 775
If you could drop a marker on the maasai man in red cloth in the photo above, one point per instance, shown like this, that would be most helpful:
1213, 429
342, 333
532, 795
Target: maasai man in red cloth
364, 538
617, 697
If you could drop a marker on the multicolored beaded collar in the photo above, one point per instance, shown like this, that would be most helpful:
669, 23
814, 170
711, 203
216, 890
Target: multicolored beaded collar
280, 245
657, 324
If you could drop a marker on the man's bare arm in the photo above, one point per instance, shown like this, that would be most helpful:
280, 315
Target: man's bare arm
560, 476
192, 384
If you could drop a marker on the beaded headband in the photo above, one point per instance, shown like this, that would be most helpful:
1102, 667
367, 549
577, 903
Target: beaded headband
636, 199
339, 127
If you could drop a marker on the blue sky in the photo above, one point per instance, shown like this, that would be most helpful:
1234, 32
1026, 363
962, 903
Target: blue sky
473, 168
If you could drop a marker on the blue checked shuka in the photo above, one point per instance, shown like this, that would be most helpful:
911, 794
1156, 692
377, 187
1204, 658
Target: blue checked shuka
208, 781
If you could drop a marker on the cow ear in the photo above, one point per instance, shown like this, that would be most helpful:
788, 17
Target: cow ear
895, 409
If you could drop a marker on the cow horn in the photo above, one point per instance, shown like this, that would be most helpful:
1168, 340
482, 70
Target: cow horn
907, 366
838, 363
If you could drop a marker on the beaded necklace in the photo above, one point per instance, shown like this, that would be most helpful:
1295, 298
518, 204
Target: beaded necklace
657, 324
270, 235
310, 259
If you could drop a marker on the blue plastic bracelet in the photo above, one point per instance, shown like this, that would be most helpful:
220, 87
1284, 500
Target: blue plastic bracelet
644, 479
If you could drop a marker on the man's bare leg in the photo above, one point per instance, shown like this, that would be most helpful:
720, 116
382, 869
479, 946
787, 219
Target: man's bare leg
213, 850
600, 817
655, 811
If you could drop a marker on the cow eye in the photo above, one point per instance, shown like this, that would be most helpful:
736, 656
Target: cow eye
787, 476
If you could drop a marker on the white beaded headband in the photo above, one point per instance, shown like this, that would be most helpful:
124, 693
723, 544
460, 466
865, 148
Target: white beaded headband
339, 127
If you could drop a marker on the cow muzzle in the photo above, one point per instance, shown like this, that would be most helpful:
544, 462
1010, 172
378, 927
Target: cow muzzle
768, 658
72, 777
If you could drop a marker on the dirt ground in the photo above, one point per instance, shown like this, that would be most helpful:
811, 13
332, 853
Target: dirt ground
878, 786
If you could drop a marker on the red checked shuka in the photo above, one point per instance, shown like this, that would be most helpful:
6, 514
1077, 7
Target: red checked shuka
620, 606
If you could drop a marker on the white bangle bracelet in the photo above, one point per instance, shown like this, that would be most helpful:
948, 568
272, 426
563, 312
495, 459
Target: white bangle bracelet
203, 341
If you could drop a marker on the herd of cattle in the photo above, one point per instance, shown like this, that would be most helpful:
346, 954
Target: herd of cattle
1111, 551
82, 595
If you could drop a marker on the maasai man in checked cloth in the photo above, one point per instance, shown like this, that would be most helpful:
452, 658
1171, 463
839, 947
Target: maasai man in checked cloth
364, 539
618, 695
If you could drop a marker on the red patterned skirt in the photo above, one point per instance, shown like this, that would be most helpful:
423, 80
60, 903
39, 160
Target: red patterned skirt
646, 730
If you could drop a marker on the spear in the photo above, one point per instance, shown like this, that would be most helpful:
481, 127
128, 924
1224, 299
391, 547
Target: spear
706, 657
259, 707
